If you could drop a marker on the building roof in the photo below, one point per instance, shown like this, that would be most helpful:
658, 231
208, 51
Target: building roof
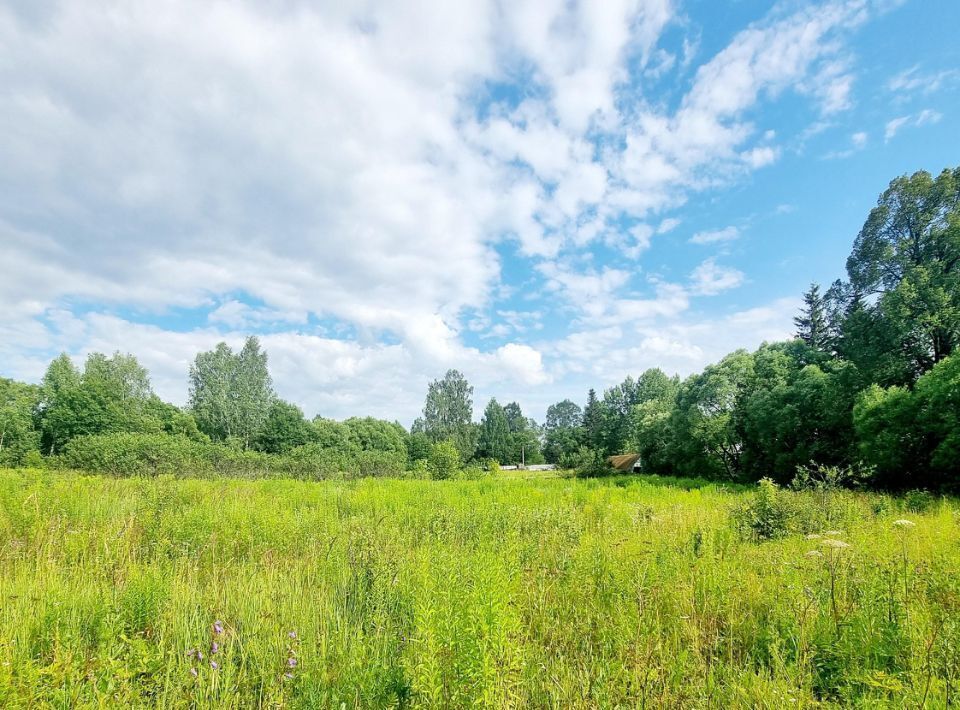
624, 462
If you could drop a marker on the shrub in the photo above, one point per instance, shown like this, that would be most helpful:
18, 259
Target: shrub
582, 458
817, 477
767, 515
124, 454
381, 463
918, 501
444, 461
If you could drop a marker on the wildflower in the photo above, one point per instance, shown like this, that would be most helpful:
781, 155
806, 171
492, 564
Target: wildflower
214, 665
288, 676
292, 662
904, 524
214, 647
833, 533
193, 672
218, 627
813, 536
835, 544
814, 553
191, 653
293, 635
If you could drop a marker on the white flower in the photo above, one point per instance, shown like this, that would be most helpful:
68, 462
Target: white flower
814, 553
904, 524
835, 544
813, 536
833, 533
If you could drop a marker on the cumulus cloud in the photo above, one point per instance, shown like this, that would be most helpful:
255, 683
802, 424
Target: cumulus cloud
709, 278
274, 167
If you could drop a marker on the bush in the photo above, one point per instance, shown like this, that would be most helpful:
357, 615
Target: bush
381, 464
767, 515
582, 458
124, 454
820, 478
444, 461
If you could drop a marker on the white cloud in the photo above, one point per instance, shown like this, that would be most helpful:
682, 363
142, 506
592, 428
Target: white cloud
709, 278
923, 118
359, 164
913, 80
668, 225
716, 235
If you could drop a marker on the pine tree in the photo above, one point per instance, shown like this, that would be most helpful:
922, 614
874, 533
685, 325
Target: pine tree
592, 421
812, 325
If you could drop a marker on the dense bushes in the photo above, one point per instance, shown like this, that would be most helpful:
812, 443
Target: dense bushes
131, 454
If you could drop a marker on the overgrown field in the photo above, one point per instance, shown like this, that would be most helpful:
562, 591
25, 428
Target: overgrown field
494, 593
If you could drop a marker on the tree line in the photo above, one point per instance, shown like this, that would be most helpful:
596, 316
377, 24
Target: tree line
870, 384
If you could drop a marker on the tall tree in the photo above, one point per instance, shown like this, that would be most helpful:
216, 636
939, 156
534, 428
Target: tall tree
18, 436
112, 394
593, 422
906, 264
812, 323
494, 439
562, 433
448, 413
231, 394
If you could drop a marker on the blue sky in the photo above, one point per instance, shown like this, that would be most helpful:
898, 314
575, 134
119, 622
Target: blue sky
545, 195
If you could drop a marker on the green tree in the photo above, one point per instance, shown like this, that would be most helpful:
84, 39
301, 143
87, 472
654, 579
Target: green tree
418, 447
562, 430
812, 323
705, 439
798, 409
494, 439
593, 422
284, 429
448, 413
231, 394
18, 436
112, 394
335, 436
619, 402
444, 461
524, 439
906, 262
370, 434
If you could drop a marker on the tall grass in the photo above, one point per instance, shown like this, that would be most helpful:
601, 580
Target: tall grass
495, 593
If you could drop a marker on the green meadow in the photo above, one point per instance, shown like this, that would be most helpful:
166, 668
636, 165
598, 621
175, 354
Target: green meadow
505, 592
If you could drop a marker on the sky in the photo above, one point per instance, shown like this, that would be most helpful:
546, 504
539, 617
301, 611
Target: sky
546, 195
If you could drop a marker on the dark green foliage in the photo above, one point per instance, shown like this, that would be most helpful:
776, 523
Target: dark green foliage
563, 433
369, 434
285, 428
112, 394
418, 447
812, 324
494, 440
798, 408
18, 436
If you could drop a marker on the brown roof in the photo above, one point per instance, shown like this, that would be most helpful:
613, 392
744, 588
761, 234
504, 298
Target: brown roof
624, 462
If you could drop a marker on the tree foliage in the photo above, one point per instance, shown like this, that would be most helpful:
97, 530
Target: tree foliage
231, 394
448, 413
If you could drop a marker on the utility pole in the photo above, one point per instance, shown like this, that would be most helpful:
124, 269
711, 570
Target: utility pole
523, 457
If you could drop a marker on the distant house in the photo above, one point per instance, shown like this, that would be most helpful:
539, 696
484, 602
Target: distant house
628, 463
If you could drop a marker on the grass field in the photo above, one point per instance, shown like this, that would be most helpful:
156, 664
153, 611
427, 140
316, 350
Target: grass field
509, 592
